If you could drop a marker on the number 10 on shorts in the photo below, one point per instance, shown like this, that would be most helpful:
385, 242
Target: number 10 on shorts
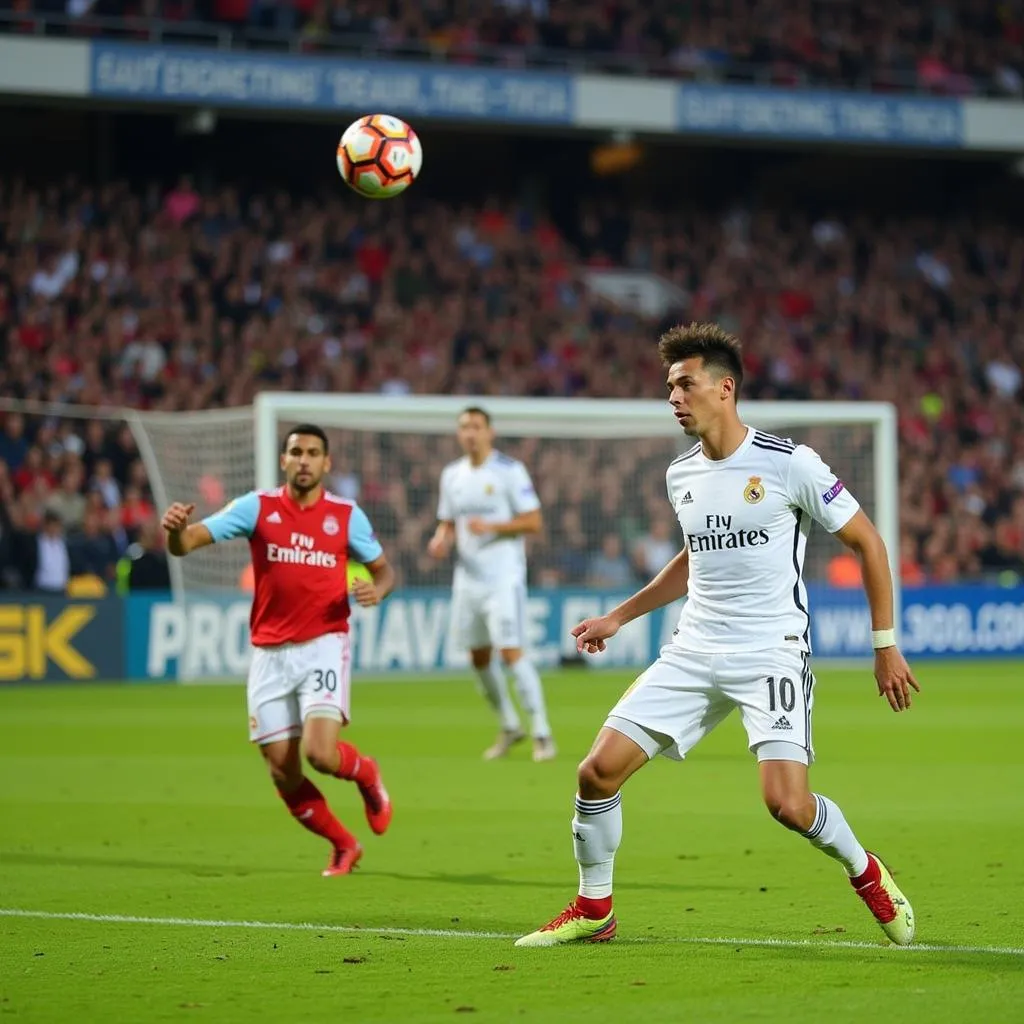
781, 695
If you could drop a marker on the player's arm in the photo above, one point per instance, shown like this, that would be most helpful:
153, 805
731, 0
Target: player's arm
525, 506
237, 519
892, 673
525, 522
444, 537
183, 537
817, 490
668, 586
364, 547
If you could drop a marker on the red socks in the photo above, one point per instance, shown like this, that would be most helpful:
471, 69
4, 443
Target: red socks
595, 909
354, 767
873, 874
309, 808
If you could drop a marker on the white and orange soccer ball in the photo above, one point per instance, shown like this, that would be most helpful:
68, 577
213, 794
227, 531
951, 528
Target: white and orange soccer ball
379, 156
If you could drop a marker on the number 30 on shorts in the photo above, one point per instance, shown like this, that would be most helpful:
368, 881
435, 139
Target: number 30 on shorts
325, 680
781, 694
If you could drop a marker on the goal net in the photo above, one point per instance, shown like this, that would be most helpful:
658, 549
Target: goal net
598, 466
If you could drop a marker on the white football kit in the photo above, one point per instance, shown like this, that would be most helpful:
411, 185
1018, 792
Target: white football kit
489, 583
743, 637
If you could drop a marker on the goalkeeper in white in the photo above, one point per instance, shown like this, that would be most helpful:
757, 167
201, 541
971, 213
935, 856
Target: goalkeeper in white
486, 507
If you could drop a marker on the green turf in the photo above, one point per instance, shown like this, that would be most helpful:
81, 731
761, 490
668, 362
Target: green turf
147, 801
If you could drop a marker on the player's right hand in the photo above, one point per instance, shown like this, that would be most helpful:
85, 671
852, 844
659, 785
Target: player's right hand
591, 633
438, 547
176, 517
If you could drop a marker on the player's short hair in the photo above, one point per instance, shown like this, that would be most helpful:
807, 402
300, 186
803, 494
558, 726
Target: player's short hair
719, 350
307, 430
475, 410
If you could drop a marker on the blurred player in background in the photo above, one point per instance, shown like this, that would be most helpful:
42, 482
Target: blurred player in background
745, 501
301, 538
487, 505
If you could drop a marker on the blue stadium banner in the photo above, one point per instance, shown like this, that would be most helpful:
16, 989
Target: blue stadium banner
819, 116
53, 639
130, 71
207, 638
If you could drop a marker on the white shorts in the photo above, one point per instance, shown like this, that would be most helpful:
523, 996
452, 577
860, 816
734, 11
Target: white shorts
484, 615
293, 682
672, 706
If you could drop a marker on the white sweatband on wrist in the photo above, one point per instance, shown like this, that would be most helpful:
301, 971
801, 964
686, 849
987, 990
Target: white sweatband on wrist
883, 638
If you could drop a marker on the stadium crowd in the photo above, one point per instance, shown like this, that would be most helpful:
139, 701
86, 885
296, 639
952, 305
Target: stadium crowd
180, 301
951, 47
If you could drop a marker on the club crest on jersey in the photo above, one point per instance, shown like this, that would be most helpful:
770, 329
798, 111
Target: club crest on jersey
489, 489
331, 526
754, 491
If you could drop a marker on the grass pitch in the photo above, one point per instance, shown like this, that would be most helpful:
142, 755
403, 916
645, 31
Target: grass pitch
142, 810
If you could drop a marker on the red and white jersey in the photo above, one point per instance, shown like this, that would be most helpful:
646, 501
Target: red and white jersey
300, 561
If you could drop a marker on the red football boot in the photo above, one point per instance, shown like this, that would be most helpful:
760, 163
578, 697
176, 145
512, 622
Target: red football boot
376, 800
343, 861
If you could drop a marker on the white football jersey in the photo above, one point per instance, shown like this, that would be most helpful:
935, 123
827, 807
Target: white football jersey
498, 490
745, 521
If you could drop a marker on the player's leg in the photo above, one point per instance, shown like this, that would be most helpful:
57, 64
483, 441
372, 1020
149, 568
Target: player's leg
775, 691
307, 805
470, 619
470, 626
494, 687
275, 725
667, 710
506, 624
323, 667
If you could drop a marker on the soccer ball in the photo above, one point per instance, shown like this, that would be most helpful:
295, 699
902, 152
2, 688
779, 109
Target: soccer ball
379, 156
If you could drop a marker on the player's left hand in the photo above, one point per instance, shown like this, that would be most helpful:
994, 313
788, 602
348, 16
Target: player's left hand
365, 593
894, 678
478, 527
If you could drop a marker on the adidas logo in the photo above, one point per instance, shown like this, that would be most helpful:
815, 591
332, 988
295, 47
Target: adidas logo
274, 517
687, 499
782, 723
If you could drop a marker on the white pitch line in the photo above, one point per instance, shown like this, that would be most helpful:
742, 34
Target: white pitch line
451, 933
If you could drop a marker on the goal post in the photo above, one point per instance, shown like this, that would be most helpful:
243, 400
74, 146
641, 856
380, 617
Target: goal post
577, 450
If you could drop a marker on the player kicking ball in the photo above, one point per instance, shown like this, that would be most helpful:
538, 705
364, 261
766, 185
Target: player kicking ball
745, 501
487, 505
301, 538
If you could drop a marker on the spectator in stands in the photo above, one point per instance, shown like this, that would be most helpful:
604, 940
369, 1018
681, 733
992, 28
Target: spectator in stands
609, 567
48, 562
68, 501
92, 549
144, 565
653, 550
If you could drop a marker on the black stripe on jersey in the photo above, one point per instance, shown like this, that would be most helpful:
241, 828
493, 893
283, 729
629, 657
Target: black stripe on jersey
686, 455
799, 572
765, 446
786, 442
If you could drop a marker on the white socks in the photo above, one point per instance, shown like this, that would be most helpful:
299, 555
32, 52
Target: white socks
531, 697
596, 834
832, 835
492, 681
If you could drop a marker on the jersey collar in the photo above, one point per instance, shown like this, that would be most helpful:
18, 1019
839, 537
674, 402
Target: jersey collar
292, 503
743, 446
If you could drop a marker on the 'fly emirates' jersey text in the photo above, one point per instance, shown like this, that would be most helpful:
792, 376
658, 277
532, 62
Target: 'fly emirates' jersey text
745, 520
299, 559
496, 491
